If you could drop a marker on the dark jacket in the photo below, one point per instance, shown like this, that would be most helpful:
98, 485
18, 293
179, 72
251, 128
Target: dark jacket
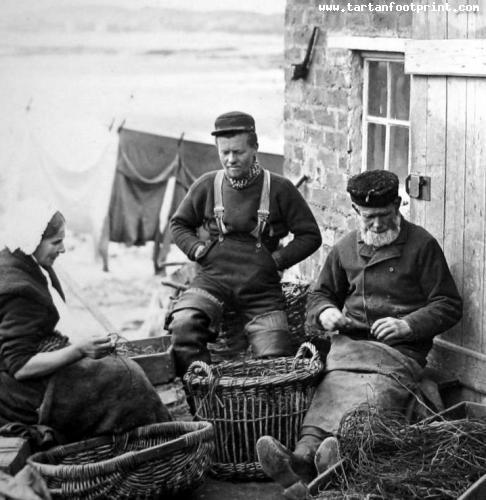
87, 397
408, 279
289, 213
27, 317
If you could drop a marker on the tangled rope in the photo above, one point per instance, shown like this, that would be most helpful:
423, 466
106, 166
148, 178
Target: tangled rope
387, 458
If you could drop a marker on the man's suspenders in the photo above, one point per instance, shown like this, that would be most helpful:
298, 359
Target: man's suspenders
263, 210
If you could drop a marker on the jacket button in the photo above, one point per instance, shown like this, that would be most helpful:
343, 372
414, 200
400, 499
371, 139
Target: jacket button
391, 269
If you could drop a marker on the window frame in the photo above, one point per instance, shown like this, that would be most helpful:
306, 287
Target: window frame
387, 57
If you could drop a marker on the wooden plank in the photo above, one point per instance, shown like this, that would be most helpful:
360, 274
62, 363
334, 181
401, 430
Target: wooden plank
464, 364
418, 141
436, 22
14, 451
436, 155
474, 226
446, 57
427, 23
475, 29
454, 182
366, 43
476, 492
420, 22
425, 113
436, 129
457, 21
480, 159
476, 21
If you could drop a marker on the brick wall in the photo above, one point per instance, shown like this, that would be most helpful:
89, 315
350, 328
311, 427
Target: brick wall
323, 113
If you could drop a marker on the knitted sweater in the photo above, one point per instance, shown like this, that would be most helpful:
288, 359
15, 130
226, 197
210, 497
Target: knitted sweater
289, 213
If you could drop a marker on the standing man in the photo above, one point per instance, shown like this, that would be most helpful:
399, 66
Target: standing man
247, 211
385, 291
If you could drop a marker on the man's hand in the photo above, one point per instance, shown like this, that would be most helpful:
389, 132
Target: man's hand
391, 328
95, 346
333, 319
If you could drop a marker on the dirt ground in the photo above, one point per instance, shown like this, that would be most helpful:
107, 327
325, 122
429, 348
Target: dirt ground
129, 299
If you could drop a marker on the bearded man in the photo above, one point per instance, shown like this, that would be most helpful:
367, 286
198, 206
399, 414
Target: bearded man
384, 292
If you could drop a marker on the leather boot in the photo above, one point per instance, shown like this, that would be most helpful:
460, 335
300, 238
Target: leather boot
290, 470
327, 454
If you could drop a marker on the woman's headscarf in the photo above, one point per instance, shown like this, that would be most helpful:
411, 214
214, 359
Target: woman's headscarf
26, 223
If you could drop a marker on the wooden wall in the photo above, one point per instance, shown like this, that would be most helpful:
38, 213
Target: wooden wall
448, 143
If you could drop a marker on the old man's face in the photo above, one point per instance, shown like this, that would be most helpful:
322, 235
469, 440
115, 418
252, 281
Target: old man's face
236, 155
379, 226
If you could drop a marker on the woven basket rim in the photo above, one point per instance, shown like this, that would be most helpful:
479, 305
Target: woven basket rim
193, 432
260, 381
314, 367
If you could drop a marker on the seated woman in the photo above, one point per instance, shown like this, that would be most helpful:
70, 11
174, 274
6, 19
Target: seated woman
80, 389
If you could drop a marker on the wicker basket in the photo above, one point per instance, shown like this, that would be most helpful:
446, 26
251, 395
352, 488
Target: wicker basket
154, 461
295, 295
246, 400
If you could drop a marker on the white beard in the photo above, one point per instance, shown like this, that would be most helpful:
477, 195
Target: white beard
378, 240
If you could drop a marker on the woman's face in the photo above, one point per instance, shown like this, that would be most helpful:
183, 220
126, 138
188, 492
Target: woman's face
50, 248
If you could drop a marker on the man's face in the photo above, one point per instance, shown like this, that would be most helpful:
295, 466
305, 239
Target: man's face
236, 155
379, 226
50, 248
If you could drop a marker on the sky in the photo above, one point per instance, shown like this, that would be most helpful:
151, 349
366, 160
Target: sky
262, 6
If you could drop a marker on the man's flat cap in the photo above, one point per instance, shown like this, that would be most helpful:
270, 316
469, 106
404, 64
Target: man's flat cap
373, 188
234, 121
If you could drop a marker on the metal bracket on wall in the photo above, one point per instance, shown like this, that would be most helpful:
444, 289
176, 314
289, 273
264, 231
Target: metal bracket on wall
301, 181
301, 70
418, 186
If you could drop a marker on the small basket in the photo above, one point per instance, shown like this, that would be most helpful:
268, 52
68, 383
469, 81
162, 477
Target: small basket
148, 462
249, 399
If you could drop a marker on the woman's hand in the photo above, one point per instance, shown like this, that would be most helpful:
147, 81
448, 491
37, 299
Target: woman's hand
45, 363
95, 346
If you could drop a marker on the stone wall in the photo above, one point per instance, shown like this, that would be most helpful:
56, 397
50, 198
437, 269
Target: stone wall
322, 114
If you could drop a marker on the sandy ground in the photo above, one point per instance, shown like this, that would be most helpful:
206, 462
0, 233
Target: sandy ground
61, 91
129, 298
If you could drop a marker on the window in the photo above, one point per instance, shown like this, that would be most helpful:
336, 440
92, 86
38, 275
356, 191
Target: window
386, 108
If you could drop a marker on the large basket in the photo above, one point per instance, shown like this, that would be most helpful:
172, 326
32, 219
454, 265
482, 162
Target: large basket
249, 399
150, 462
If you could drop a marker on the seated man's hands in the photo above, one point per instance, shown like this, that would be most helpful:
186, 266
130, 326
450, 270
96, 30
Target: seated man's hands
391, 328
333, 319
95, 346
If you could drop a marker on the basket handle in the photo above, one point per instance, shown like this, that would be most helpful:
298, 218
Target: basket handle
305, 348
199, 368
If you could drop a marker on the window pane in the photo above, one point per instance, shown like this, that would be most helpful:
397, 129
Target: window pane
398, 156
376, 146
400, 92
377, 90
